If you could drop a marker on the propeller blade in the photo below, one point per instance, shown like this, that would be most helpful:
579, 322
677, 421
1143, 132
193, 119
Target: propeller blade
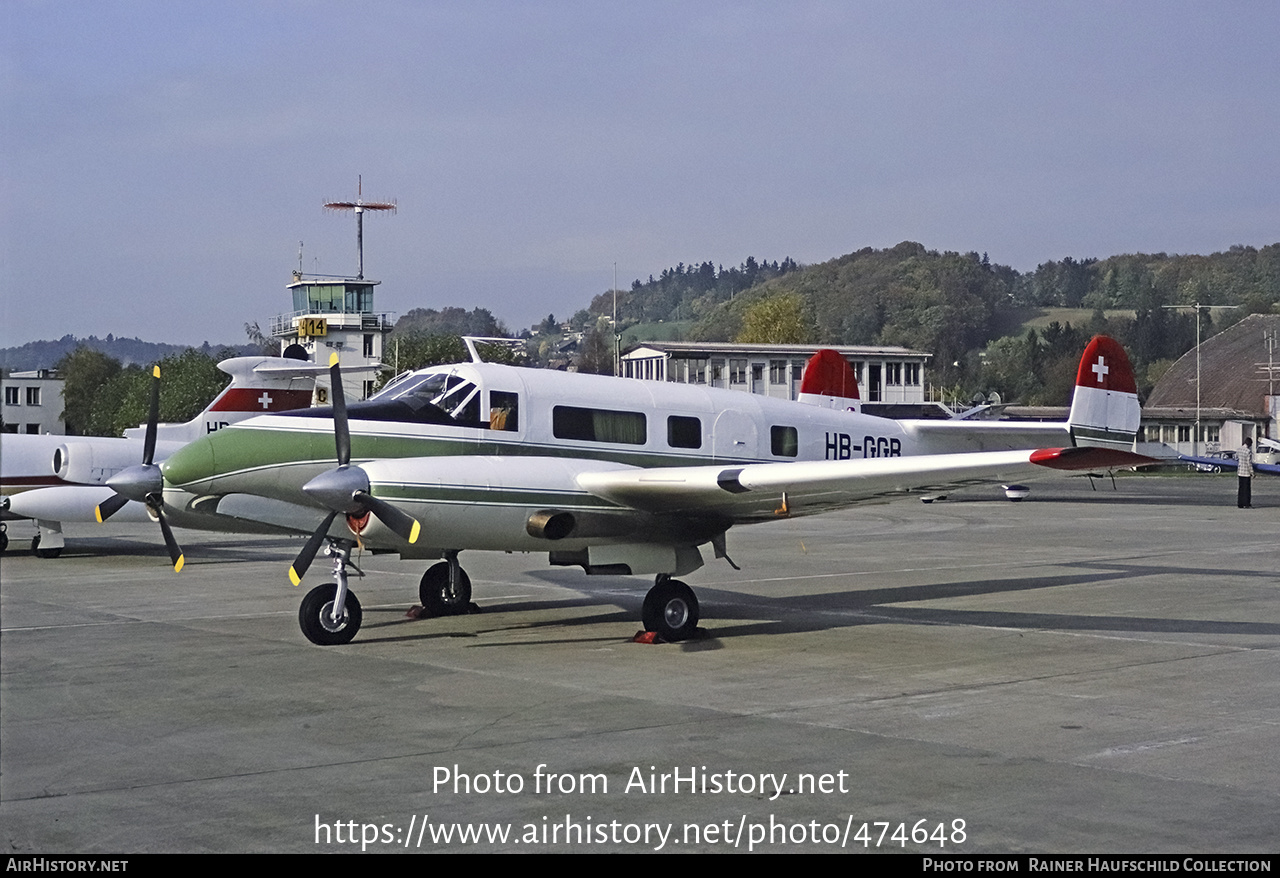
153, 417
341, 432
109, 507
308, 553
405, 525
175, 551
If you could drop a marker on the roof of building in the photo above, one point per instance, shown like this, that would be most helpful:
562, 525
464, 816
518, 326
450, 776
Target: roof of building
1232, 370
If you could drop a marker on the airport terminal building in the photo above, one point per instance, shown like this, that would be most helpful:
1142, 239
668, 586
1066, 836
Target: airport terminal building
886, 374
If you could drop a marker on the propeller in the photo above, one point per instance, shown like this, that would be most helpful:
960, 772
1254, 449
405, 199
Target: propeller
144, 482
345, 490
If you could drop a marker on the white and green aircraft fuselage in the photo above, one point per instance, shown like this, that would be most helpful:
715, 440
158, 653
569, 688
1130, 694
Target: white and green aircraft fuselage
615, 475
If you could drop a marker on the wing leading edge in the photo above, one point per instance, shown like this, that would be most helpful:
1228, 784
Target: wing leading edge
758, 491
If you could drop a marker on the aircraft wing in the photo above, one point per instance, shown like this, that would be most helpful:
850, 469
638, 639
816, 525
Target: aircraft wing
760, 491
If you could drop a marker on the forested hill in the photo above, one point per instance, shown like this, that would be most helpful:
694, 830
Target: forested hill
686, 292
129, 351
954, 305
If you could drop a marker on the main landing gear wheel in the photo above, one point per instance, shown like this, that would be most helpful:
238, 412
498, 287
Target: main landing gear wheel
316, 616
4, 539
438, 598
670, 610
43, 553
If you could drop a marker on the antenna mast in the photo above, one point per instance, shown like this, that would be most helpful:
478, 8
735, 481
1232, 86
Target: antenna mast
360, 206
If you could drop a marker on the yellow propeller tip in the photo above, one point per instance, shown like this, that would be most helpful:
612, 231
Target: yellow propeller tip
155, 371
294, 577
97, 513
333, 360
413, 534
177, 566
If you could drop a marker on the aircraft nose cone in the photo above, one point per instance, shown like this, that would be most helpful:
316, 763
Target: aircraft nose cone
190, 467
136, 482
335, 489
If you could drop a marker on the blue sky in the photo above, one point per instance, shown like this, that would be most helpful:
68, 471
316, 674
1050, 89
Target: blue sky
160, 162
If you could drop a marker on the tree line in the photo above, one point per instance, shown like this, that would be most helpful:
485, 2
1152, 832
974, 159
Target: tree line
102, 397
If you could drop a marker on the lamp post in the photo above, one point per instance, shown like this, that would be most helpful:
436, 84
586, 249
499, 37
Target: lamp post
1195, 435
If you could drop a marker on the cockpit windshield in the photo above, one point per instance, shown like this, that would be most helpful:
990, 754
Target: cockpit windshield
430, 398
447, 392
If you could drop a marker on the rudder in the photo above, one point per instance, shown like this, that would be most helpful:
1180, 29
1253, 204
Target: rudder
1105, 409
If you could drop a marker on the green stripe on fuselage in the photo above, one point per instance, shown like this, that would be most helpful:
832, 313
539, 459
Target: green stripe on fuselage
240, 450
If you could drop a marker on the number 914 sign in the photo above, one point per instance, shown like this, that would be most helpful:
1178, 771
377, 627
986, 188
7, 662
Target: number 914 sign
312, 326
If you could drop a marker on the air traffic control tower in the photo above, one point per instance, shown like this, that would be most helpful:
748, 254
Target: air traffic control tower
334, 314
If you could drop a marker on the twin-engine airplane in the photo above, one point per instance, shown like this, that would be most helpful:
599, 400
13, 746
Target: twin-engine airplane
618, 476
53, 479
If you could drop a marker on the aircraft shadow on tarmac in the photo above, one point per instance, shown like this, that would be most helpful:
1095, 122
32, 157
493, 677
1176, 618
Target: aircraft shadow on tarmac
726, 613
230, 550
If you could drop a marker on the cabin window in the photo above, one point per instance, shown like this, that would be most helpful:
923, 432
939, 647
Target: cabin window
598, 425
504, 410
784, 441
684, 432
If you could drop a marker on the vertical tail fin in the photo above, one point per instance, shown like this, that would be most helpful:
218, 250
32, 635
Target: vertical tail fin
259, 385
1105, 409
829, 382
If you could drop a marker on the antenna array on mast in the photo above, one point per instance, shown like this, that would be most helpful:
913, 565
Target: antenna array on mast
360, 206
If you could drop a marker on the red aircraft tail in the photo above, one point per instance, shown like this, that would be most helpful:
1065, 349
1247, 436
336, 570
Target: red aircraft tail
1105, 409
829, 382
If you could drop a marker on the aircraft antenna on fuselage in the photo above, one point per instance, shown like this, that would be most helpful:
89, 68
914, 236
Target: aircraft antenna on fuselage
514, 344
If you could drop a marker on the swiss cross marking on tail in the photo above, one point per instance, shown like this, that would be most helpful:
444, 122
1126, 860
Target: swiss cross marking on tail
265, 399
1100, 368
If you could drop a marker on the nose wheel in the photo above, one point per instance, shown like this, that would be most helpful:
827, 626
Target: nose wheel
319, 623
670, 610
330, 613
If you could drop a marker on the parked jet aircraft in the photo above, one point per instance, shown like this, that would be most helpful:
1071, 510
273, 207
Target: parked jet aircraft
618, 476
53, 479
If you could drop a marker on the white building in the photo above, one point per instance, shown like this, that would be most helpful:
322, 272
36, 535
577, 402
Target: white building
33, 403
885, 374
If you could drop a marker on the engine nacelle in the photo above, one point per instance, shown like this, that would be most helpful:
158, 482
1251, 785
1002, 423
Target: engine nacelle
92, 463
